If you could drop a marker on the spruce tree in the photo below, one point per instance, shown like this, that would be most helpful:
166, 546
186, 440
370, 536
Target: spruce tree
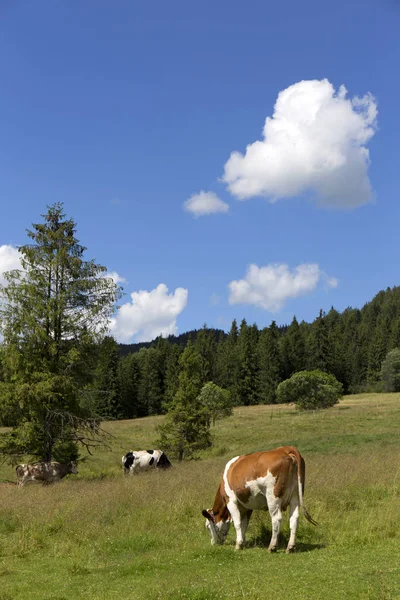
293, 348
205, 346
106, 385
186, 428
53, 312
270, 364
129, 378
318, 344
171, 380
228, 368
248, 364
151, 390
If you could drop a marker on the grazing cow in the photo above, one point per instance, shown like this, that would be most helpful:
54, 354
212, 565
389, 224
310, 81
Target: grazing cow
271, 481
44, 472
143, 460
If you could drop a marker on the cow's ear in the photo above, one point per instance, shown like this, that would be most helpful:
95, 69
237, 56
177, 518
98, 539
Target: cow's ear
208, 515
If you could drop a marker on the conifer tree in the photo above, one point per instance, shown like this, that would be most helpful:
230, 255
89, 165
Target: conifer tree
151, 390
248, 364
53, 312
129, 378
293, 349
186, 428
318, 344
270, 364
171, 380
228, 368
106, 385
205, 346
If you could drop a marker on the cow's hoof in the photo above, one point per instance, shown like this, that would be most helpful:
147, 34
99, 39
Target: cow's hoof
272, 549
238, 547
290, 550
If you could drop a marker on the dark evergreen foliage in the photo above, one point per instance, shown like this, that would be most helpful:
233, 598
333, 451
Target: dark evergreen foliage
248, 362
180, 340
53, 314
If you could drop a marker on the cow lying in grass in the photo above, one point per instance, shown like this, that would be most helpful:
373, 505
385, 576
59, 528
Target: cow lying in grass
271, 481
143, 460
44, 472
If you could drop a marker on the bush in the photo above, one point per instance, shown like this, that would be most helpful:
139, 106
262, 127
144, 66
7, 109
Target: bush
390, 371
310, 390
216, 401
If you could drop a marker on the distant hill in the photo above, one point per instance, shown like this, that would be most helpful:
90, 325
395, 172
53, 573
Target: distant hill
180, 340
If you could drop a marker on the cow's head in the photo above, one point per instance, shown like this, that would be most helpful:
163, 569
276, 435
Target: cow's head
217, 526
73, 468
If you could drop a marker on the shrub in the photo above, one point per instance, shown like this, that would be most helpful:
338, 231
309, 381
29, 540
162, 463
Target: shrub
310, 390
216, 401
390, 371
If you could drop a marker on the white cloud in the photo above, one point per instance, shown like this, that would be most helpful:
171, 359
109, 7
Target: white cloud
115, 277
205, 203
214, 299
315, 142
9, 260
149, 314
271, 286
332, 282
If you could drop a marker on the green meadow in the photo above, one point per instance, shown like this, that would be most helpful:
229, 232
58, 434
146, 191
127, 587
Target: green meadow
103, 536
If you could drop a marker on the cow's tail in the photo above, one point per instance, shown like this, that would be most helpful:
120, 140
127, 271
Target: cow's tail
301, 479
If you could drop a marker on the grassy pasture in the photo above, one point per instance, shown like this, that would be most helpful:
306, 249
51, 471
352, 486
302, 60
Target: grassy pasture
102, 536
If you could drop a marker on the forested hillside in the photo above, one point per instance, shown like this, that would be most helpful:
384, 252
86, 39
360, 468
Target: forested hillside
251, 362
141, 379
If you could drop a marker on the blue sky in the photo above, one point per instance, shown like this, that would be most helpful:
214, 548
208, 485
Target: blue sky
125, 110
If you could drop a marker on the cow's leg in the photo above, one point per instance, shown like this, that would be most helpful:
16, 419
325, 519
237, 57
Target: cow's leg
237, 521
274, 507
245, 523
293, 521
26, 480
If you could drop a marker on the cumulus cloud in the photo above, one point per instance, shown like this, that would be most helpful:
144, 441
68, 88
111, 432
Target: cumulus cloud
271, 286
149, 314
116, 277
214, 299
9, 260
205, 203
331, 282
315, 142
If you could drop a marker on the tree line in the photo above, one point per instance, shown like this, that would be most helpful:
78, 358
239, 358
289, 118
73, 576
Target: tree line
61, 375
250, 362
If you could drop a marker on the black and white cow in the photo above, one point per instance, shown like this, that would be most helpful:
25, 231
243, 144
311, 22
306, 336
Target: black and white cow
143, 460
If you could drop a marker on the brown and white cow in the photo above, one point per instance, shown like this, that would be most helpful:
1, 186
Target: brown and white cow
44, 472
271, 480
